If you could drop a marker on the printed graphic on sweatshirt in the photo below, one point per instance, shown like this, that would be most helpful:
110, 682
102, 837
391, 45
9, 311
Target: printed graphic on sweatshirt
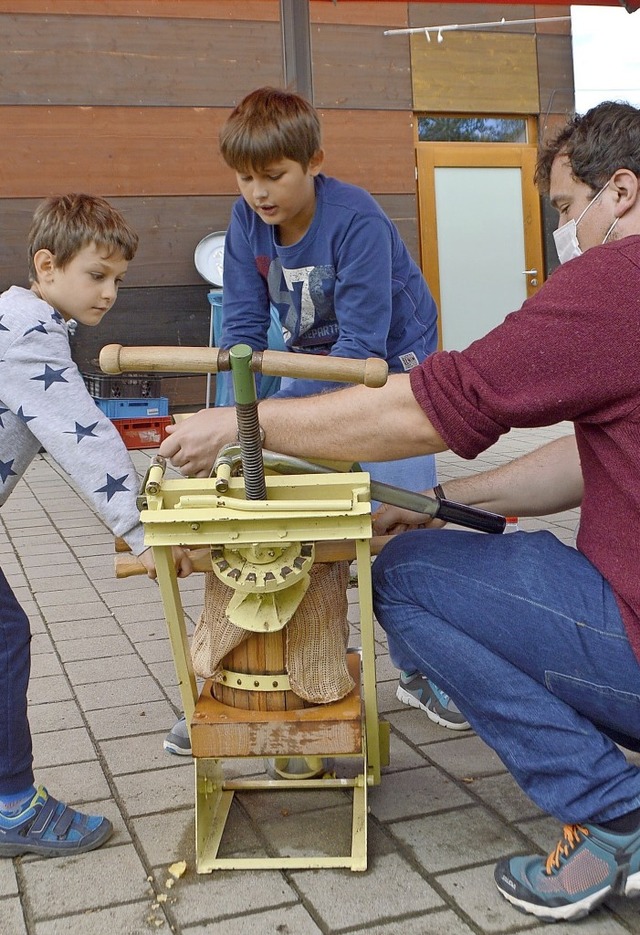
304, 298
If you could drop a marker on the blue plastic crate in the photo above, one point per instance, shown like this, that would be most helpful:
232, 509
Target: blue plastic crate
137, 408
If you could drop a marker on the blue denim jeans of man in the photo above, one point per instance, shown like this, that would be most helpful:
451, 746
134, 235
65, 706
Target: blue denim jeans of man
526, 637
16, 772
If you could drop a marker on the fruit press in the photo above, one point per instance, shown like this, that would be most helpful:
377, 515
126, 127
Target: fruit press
274, 535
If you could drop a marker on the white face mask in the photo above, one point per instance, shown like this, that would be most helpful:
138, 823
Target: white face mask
566, 237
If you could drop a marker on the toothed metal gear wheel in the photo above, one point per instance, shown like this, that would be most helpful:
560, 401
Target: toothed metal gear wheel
263, 567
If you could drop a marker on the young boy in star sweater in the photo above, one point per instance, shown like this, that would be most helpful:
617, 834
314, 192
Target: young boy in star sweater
79, 251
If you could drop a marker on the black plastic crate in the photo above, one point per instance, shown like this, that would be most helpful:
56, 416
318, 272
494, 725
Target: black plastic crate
122, 385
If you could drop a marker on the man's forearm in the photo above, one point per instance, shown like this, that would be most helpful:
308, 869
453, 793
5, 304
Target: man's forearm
547, 480
355, 424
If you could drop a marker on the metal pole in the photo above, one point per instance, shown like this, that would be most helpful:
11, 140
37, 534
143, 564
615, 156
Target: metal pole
296, 46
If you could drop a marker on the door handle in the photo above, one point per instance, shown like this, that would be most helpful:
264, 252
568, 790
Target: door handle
529, 272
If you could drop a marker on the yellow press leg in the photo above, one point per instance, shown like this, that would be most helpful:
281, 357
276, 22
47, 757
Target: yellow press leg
372, 727
174, 614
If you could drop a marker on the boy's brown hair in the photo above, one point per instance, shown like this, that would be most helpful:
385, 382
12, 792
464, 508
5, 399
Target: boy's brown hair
268, 125
65, 224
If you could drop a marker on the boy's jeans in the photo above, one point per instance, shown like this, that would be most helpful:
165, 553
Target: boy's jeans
16, 772
525, 635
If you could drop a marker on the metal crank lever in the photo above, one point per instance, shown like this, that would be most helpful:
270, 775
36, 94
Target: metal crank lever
447, 510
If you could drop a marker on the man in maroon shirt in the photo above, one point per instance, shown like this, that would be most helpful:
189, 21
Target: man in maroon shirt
537, 643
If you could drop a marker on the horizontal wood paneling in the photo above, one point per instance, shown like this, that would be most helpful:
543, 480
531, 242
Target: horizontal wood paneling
387, 15
176, 315
371, 148
173, 151
446, 14
112, 151
555, 67
169, 230
403, 211
148, 62
176, 9
357, 66
493, 74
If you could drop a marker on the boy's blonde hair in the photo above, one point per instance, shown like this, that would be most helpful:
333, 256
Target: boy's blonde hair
65, 224
268, 125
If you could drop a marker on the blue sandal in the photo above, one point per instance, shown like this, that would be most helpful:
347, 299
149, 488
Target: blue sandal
50, 828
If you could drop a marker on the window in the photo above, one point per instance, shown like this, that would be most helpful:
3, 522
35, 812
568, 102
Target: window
472, 129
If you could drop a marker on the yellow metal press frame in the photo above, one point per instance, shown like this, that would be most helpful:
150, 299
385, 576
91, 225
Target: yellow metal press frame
301, 508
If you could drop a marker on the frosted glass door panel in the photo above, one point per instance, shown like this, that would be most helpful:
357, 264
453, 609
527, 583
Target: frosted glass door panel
481, 251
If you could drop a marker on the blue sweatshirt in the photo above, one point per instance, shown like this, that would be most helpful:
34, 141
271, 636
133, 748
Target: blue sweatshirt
348, 288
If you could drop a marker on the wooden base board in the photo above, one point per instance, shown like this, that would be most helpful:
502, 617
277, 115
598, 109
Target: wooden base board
218, 730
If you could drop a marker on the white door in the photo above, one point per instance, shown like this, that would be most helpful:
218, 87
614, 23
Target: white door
480, 234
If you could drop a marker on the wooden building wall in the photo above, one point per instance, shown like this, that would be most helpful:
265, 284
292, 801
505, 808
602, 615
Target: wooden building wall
125, 99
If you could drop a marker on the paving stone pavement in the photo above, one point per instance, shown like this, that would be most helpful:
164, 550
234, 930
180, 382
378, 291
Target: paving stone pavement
103, 694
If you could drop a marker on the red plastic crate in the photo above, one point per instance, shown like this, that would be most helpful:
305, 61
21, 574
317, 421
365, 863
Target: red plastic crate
142, 433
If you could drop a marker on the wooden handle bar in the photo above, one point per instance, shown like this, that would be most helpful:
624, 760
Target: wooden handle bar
114, 358
127, 564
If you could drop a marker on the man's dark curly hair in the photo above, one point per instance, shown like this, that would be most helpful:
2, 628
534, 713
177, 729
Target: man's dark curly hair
597, 143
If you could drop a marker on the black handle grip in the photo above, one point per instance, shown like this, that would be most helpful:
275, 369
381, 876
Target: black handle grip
447, 510
470, 517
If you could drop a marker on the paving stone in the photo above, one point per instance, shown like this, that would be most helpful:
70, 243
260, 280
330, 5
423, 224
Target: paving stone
141, 751
12, 917
8, 882
48, 688
289, 920
437, 922
90, 648
100, 695
456, 838
389, 888
56, 748
66, 611
87, 671
150, 595
170, 836
60, 887
402, 756
413, 725
145, 793
465, 758
416, 791
78, 783
144, 630
84, 629
208, 898
165, 673
134, 613
49, 599
129, 720
60, 715
474, 892
44, 664
132, 919
504, 795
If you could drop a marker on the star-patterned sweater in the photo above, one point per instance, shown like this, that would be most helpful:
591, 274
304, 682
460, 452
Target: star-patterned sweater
44, 402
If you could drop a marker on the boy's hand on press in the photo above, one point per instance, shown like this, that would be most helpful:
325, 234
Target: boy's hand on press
193, 445
181, 560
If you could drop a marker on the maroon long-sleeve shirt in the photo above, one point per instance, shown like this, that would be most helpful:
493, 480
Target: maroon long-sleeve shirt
572, 352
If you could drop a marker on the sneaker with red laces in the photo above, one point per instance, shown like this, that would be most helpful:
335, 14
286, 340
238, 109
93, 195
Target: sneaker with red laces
588, 863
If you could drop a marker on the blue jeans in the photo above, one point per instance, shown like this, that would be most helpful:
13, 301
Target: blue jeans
526, 637
16, 771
